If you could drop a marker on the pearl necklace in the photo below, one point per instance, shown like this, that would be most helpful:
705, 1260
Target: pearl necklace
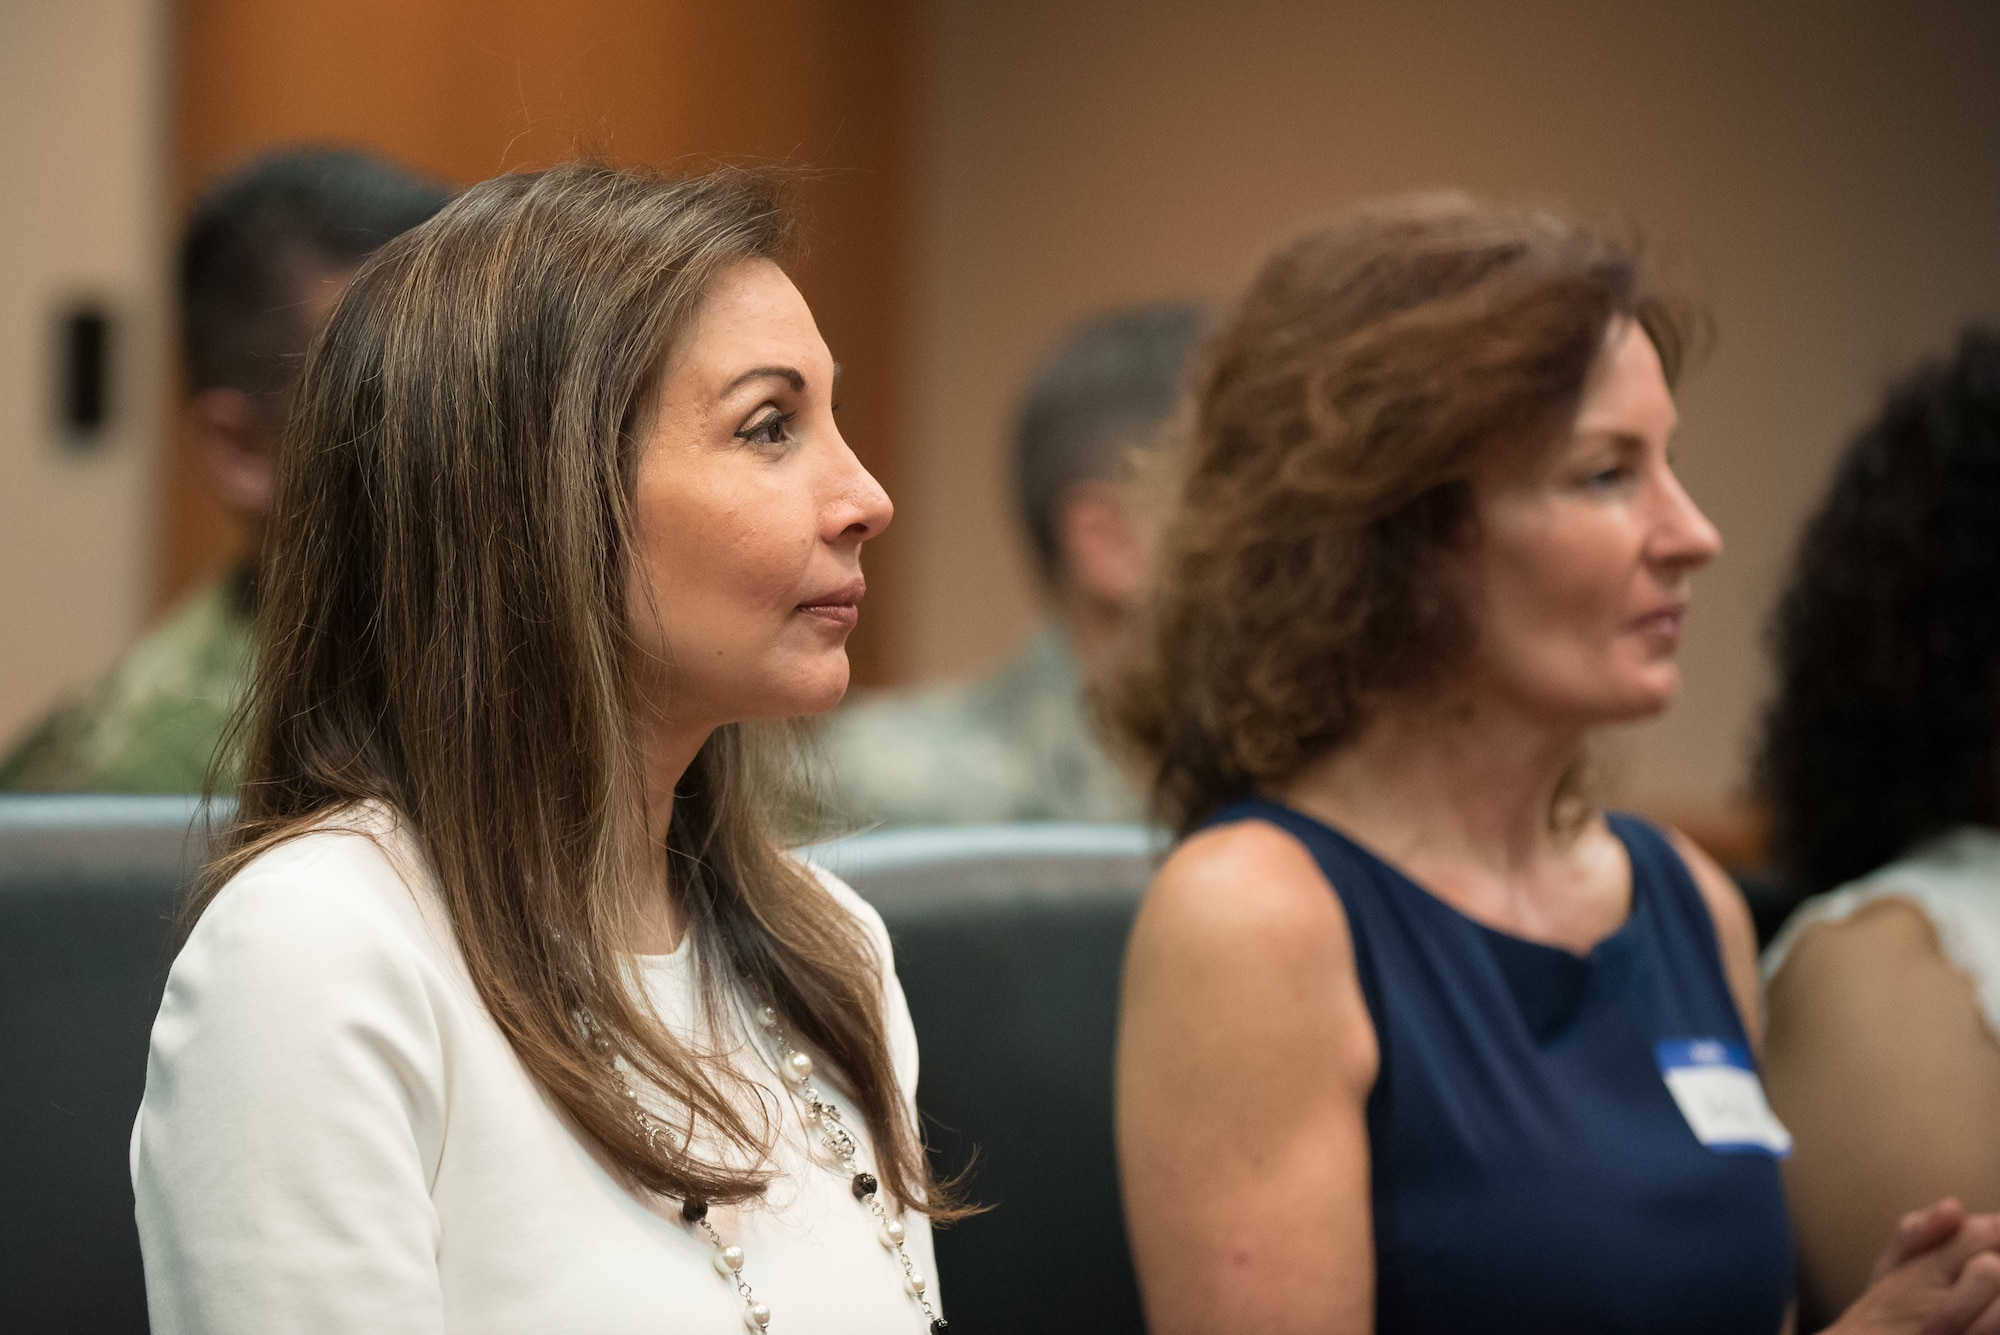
797, 1069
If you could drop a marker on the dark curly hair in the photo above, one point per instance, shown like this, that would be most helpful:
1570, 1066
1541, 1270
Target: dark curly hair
1886, 724
1345, 405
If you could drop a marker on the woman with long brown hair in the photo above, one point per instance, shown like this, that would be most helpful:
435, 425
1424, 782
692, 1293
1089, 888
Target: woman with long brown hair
1415, 1037
501, 1011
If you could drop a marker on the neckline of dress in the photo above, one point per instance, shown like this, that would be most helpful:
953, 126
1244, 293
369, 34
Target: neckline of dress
1624, 928
673, 960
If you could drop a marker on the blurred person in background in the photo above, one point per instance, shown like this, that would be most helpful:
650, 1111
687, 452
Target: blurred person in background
267, 253
1415, 1036
1017, 746
1882, 766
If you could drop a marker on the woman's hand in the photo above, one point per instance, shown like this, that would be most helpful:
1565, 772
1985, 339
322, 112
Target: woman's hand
1918, 1232
1940, 1275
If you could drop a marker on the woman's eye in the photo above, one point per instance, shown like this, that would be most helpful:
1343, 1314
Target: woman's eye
772, 429
1604, 479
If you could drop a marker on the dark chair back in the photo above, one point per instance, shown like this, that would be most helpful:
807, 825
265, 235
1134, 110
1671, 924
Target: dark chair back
1009, 941
88, 890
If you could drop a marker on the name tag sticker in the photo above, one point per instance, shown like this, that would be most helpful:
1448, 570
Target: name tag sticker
1718, 1092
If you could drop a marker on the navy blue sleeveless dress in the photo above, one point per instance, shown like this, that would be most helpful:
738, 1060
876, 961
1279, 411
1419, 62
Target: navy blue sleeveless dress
1530, 1170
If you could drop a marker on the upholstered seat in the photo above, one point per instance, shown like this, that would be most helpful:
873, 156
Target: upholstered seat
1009, 940
88, 890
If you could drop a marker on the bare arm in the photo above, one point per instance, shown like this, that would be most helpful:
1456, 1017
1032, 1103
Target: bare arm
1881, 1065
1245, 1058
1735, 933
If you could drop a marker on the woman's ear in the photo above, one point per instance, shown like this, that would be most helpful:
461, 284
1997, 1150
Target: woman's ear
1105, 554
237, 449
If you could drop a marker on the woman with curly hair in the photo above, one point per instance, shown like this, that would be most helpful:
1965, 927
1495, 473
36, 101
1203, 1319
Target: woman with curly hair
1883, 747
501, 1010
1415, 1038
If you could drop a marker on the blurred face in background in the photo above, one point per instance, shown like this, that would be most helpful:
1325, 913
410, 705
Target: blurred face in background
1579, 578
750, 512
235, 433
1109, 533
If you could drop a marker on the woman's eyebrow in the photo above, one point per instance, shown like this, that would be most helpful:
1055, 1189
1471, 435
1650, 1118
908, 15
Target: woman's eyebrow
788, 374
1619, 438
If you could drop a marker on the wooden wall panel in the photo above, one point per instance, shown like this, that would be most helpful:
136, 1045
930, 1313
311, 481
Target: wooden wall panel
469, 88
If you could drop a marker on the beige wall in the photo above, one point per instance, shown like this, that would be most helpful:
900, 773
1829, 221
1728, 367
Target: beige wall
1830, 170
81, 148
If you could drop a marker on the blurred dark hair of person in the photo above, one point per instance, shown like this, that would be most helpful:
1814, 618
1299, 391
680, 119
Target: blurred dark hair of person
1879, 763
267, 253
1016, 746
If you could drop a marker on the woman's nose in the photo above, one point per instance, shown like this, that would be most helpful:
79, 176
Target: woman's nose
861, 509
1685, 537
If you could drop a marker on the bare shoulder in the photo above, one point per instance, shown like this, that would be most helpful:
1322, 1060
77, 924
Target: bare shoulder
1870, 989
1241, 958
1883, 943
1735, 930
1243, 888
1872, 981
1244, 940
1719, 892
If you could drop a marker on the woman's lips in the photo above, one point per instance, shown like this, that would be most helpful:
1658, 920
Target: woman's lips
841, 614
1663, 624
842, 606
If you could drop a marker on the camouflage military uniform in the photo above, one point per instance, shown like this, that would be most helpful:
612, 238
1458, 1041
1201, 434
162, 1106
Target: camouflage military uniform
1012, 747
152, 722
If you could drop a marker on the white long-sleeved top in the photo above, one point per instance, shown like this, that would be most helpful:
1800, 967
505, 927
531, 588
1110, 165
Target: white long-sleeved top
336, 1137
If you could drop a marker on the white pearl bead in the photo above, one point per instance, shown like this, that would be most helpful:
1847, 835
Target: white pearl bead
729, 1260
914, 1283
799, 1067
767, 1017
756, 1316
892, 1233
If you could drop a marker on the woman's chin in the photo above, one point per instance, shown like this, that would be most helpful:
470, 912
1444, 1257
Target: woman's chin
1645, 700
822, 691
